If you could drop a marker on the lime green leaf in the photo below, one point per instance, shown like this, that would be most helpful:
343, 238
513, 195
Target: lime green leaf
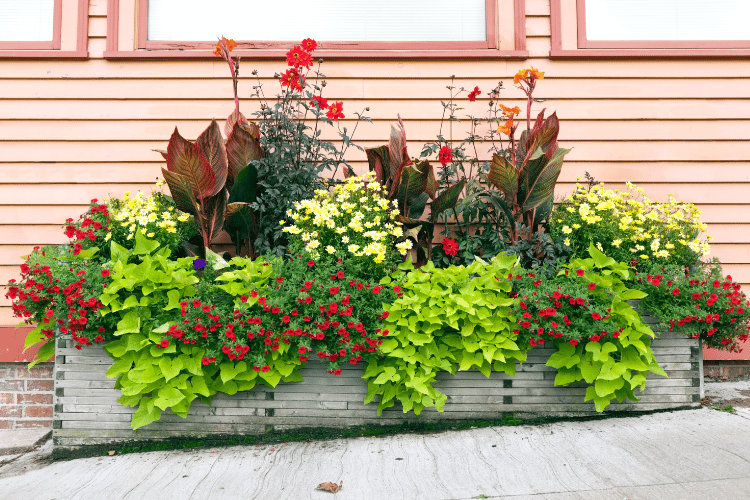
168, 396
145, 414
272, 377
170, 368
144, 246
565, 357
567, 376
230, 370
590, 370
606, 388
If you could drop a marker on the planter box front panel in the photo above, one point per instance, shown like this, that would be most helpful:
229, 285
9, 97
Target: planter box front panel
87, 411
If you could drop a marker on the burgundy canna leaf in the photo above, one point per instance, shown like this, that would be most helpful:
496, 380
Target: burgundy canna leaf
184, 158
211, 145
242, 148
235, 118
182, 192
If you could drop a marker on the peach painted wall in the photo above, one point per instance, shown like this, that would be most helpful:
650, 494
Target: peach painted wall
75, 130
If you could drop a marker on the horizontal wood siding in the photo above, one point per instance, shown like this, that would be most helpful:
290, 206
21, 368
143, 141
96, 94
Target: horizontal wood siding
75, 130
87, 411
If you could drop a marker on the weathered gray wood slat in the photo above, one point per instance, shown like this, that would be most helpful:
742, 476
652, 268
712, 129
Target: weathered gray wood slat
87, 412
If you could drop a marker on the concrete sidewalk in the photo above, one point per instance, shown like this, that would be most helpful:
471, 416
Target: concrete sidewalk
690, 454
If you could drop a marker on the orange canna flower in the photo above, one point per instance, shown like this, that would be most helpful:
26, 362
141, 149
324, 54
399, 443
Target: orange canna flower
506, 129
510, 111
230, 44
520, 76
523, 74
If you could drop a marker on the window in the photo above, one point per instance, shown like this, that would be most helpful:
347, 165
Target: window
650, 28
43, 28
343, 28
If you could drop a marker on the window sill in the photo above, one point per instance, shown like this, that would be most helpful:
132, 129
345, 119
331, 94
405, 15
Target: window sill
324, 54
648, 53
44, 54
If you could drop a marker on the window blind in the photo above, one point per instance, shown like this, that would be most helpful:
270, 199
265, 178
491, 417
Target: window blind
635, 20
26, 20
322, 20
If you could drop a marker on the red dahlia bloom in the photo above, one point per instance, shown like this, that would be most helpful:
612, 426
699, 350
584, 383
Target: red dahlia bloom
298, 57
335, 111
450, 247
309, 44
445, 155
292, 79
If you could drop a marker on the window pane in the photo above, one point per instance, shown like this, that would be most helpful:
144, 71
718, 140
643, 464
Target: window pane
633, 20
330, 20
26, 20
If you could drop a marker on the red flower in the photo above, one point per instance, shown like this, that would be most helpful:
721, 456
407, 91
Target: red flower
450, 247
335, 111
340, 275
333, 290
580, 301
298, 57
473, 94
445, 155
596, 316
318, 101
265, 368
396, 289
309, 44
286, 319
164, 343
99, 338
310, 264
105, 273
676, 291
592, 286
580, 272
573, 341
532, 342
292, 79
376, 290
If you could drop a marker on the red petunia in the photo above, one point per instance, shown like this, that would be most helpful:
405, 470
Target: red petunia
676, 291
445, 155
335, 111
310, 264
333, 290
450, 247
309, 44
580, 272
592, 286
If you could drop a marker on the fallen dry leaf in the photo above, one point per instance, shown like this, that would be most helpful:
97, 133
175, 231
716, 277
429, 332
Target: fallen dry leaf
332, 487
110, 453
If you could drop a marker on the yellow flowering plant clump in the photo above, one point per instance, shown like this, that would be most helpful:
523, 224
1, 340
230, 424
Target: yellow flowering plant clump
155, 215
354, 222
630, 227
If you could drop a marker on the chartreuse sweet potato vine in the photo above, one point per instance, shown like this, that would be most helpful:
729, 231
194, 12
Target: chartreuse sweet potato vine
444, 319
147, 292
599, 337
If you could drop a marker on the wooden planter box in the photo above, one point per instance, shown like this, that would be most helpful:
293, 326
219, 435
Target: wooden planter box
87, 412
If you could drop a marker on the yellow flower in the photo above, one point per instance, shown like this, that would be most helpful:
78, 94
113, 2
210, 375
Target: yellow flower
566, 230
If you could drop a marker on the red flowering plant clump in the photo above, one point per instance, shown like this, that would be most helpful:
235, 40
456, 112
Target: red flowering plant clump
582, 311
703, 304
60, 285
311, 309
